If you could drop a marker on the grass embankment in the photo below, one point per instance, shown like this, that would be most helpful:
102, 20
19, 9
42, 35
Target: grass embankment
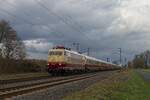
127, 85
146, 70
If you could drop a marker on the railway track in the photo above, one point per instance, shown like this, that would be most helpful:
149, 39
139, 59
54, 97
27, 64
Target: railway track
22, 80
19, 90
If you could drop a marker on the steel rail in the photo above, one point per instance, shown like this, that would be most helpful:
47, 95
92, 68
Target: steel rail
24, 90
51, 79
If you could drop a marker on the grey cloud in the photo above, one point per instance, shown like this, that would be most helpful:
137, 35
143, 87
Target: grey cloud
102, 25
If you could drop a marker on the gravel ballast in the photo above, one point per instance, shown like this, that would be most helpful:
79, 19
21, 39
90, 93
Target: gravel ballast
60, 91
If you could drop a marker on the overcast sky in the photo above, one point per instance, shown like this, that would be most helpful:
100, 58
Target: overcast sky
101, 25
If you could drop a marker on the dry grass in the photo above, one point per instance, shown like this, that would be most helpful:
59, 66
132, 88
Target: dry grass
126, 85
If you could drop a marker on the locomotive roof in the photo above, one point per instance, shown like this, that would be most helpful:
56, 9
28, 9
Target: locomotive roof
92, 58
74, 52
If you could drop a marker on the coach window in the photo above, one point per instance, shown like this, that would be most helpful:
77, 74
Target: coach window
65, 53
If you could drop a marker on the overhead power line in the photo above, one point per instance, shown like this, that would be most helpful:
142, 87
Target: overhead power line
25, 20
67, 20
43, 6
58, 16
11, 4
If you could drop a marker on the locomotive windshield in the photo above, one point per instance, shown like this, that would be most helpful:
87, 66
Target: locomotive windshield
55, 53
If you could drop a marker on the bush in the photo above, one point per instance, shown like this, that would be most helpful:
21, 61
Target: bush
21, 66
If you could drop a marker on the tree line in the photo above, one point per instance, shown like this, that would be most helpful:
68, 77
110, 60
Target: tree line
141, 60
13, 53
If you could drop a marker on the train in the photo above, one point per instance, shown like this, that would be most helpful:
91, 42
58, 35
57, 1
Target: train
62, 60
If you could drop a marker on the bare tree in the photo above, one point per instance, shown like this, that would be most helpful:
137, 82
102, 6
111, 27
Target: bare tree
19, 51
12, 46
4, 29
138, 61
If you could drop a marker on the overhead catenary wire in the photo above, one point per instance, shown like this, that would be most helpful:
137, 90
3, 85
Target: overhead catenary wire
42, 5
65, 20
25, 20
58, 16
61, 18
28, 14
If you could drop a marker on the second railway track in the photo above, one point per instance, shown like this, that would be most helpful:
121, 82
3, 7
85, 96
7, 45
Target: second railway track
19, 90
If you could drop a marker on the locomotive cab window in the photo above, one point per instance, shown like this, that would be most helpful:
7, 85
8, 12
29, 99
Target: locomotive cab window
58, 53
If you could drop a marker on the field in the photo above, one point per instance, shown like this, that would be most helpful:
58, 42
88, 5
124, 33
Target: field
127, 85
